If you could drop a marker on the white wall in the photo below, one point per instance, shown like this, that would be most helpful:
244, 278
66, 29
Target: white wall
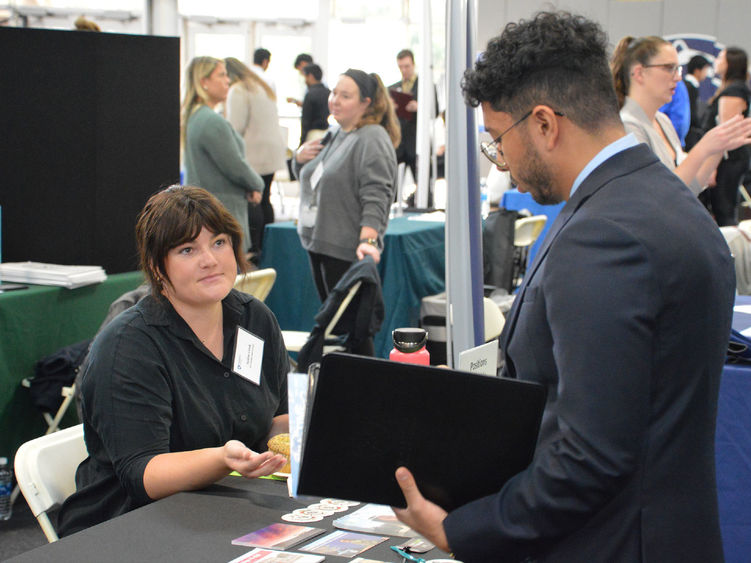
727, 20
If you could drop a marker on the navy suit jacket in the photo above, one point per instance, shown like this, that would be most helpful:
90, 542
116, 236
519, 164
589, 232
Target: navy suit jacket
625, 317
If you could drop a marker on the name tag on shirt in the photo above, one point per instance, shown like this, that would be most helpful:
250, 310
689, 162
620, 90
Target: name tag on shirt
316, 176
248, 357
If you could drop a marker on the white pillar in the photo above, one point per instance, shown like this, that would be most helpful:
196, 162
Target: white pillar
464, 314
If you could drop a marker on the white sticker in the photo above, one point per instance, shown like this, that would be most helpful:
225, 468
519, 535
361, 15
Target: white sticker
248, 356
316, 176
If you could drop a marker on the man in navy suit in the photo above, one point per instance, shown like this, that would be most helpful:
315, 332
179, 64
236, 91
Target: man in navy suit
624, 316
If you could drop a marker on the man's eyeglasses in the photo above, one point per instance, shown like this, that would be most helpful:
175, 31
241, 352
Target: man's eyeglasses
491, 149
669, 67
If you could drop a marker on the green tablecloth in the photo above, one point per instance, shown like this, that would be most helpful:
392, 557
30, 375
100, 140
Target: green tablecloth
412, 266
34, 323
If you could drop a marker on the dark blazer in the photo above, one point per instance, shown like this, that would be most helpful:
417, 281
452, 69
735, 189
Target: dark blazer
315, 110
625, 316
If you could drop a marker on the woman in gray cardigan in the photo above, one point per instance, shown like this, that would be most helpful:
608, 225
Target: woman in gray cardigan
213, 152
347, 179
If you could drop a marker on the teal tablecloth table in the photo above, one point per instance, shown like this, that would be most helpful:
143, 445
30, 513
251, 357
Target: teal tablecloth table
412, 266
34, 323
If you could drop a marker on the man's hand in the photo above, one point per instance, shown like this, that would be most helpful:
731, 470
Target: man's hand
421, 515
254, 196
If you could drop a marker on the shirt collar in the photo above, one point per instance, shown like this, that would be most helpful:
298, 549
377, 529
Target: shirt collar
159, 311
625, 142
692, 80
407, 85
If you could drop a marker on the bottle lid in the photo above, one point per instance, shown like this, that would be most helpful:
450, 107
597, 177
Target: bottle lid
408, 340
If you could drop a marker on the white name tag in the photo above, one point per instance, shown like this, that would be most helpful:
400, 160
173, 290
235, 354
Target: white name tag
308, 216
248, 356
316, 176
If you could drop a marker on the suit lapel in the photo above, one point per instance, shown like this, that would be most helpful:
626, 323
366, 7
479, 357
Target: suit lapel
619, 164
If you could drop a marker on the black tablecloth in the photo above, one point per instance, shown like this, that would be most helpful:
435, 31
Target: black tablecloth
195, 526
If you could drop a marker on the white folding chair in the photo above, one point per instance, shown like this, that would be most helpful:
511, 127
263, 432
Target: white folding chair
526, 231
294, 340
45, 470
494, 319
257, 283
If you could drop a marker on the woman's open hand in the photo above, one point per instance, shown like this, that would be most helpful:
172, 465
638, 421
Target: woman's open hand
248, 463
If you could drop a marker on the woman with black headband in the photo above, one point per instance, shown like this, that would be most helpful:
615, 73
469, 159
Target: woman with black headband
347, 179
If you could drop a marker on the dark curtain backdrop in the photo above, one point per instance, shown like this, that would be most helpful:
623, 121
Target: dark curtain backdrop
89, 129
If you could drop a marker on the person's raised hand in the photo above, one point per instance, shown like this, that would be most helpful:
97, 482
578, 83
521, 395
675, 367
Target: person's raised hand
727, 136
423, 516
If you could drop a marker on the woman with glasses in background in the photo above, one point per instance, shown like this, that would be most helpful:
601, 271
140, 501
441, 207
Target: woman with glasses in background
731, 99
645, 72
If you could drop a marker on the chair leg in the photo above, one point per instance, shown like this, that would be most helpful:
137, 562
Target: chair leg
47, 527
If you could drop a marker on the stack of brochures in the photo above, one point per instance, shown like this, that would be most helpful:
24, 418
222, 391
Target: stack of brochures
51, 274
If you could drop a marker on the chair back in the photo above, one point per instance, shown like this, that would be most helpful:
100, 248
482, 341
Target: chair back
342, 307
527, 229
45, 470
494, 319
257, 283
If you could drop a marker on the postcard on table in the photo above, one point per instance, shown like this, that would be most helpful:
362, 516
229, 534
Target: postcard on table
278, 536
374, 519
259, 555
343, 544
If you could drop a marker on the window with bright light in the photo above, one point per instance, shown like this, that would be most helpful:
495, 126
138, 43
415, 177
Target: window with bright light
250, 9
129, 5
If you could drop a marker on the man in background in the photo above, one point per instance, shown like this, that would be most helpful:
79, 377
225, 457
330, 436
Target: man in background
301, 61
406, 152
623, 316
261, 61
315, 106
696, 71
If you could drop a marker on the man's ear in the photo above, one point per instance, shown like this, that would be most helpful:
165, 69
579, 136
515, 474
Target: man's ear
546, 125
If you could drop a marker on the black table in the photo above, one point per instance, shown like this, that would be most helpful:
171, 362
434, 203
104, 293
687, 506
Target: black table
195, 526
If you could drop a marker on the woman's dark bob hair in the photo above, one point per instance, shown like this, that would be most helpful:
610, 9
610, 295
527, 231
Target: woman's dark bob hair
175, 216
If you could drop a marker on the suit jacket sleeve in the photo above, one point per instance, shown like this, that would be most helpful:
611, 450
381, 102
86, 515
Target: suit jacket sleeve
603, 374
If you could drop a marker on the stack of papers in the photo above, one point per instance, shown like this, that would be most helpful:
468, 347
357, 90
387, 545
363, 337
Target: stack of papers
51, 274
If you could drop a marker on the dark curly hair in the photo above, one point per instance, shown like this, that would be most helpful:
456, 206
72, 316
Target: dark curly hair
557, 59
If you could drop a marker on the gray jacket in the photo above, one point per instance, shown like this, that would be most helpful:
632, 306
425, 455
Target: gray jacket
355, 190
637, 122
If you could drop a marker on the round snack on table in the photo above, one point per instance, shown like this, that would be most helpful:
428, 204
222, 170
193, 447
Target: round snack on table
279, 444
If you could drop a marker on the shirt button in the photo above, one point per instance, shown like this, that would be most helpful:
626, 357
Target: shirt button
226, 374
243, 417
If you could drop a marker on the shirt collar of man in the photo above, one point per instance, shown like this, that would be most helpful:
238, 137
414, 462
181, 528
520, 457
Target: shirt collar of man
612, 149
691, 79
408, 85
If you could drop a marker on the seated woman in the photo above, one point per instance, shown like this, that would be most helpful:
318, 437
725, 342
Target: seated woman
645, 72
172, 401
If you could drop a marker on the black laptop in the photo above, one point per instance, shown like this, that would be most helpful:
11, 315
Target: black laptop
462, 435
